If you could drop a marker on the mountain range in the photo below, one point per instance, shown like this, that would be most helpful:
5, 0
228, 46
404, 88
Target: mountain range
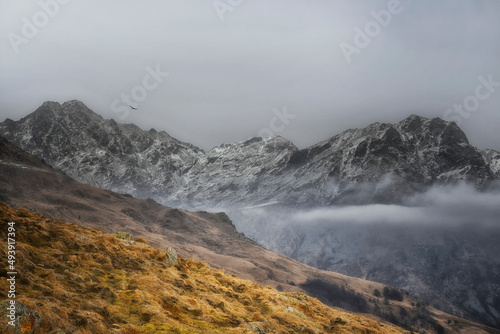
27, 182
386, 161
262, 184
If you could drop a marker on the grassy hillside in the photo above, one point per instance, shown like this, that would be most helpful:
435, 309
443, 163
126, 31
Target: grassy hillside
82, 280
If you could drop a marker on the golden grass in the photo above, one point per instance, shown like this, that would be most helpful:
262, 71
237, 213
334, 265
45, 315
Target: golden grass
83, 281
141, 240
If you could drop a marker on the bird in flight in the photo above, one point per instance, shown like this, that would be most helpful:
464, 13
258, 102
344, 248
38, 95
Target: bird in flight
132, 107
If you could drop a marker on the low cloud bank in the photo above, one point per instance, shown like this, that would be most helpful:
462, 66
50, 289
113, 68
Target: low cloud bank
441, 205
442, 209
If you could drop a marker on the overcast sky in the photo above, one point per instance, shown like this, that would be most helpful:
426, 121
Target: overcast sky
234, 64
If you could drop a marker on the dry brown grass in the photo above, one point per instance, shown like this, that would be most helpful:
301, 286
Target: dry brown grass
141, 240
86, 281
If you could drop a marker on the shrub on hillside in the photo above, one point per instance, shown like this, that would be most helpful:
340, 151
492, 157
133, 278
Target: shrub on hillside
336, 296
393, 294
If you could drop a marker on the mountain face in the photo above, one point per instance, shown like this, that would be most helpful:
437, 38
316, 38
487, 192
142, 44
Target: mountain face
101, 152
455, 269
386, 161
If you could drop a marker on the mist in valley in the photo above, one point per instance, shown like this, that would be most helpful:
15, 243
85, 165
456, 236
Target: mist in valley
441, 245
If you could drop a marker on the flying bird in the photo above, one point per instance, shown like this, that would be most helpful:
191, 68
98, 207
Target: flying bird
132, 107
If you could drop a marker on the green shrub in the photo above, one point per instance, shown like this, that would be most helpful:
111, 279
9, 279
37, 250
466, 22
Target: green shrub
125, 236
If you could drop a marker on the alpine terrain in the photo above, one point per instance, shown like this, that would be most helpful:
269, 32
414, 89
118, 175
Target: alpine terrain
55, 252
299, 202
352, 167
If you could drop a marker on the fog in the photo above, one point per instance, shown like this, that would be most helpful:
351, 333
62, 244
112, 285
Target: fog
440, 209
441, 205
229, 70
440, 245
450, 205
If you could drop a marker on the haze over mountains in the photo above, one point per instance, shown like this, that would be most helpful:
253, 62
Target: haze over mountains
411, 204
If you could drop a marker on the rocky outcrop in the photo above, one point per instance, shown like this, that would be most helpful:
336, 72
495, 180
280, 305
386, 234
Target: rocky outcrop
172, 257
17, 318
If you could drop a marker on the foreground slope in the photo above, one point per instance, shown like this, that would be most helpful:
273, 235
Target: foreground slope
82, 280
27, 182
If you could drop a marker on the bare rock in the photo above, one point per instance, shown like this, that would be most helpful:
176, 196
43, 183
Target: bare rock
172, 257
19, 318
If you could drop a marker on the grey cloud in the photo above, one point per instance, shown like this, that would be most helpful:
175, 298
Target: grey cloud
440, 206
227, 76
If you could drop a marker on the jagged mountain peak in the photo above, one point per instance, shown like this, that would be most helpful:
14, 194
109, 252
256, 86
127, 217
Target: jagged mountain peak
101, 152
275, 142
280, 142
413, 121
48, 109
413, 117
431, 128
76, 116
73, 108
75, 103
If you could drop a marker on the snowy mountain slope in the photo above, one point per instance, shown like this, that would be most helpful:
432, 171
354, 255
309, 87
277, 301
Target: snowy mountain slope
119, 157
384, 160
390, 160
492, 158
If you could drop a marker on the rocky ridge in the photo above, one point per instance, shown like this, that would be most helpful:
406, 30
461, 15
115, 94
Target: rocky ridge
384, 160
100, 152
